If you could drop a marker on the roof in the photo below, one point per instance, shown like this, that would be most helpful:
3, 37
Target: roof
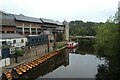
4, 15
50, 21
7, 19
21, 17
59, 23
26, 18
11, 36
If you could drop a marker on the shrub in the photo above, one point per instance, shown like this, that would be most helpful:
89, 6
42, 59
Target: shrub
19, 52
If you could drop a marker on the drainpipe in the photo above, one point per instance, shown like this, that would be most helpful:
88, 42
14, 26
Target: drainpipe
54, 40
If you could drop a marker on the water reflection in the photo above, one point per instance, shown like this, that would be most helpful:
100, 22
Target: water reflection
82, 50
47, 67
110, 70
80, 66
78, 63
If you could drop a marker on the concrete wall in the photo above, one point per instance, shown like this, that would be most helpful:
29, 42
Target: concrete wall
66, 32
4, 62
33, 52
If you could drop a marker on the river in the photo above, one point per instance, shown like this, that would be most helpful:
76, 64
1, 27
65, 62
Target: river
72, 63
78, 66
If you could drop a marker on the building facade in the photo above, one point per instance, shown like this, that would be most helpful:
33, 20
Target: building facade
37, 40
66, 32
14, 40
7, 23
9, 43
27, 25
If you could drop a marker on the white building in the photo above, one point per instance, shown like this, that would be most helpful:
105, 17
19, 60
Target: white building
14, 40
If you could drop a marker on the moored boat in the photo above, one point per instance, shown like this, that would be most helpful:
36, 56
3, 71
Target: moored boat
72, 44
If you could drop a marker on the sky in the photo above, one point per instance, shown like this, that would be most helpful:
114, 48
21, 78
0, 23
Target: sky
60, 10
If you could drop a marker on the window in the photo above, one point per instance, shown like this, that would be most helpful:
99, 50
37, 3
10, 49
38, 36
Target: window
32, 39
3, 31
39, 39
14, 41
22, 41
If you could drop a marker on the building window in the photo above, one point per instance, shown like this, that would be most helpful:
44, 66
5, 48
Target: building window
36, 39
22, 41
32, 39
3, 31
14, 41
39, 39
42, 39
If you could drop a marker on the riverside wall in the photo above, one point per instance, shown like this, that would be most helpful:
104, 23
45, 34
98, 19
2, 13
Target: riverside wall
33, 51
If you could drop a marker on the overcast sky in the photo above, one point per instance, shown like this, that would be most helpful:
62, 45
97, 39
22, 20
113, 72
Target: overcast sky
86, 10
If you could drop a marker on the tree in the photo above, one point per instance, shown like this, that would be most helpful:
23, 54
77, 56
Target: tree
59, 37
107, 40
18, 52
81, 28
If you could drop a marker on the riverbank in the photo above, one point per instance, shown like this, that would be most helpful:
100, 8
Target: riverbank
8, 68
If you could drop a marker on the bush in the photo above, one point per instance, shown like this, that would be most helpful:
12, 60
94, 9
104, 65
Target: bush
85, 42
60, 45
19, 52
107, 40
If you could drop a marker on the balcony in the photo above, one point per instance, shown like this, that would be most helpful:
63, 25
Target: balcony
39, 30
54, 30
19, 29
27, 30
33, 30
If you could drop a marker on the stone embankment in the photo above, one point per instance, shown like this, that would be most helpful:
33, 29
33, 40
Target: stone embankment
19, 70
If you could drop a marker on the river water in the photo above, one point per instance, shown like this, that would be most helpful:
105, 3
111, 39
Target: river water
78, 66
75, 63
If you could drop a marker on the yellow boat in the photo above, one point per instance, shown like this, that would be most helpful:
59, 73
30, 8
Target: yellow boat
8, 75
18, 71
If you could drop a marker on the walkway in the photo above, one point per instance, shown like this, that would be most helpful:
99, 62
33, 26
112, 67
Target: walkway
8, 68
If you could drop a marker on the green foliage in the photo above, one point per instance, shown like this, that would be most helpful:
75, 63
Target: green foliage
83, 28
85, 42
19, 52
60, 45
59, 37
107, 39
5, 46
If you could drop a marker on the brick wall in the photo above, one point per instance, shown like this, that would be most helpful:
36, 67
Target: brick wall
8, 28
27, 24
7, 21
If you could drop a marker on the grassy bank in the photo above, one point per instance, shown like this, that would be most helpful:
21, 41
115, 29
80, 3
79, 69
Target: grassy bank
60, 45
